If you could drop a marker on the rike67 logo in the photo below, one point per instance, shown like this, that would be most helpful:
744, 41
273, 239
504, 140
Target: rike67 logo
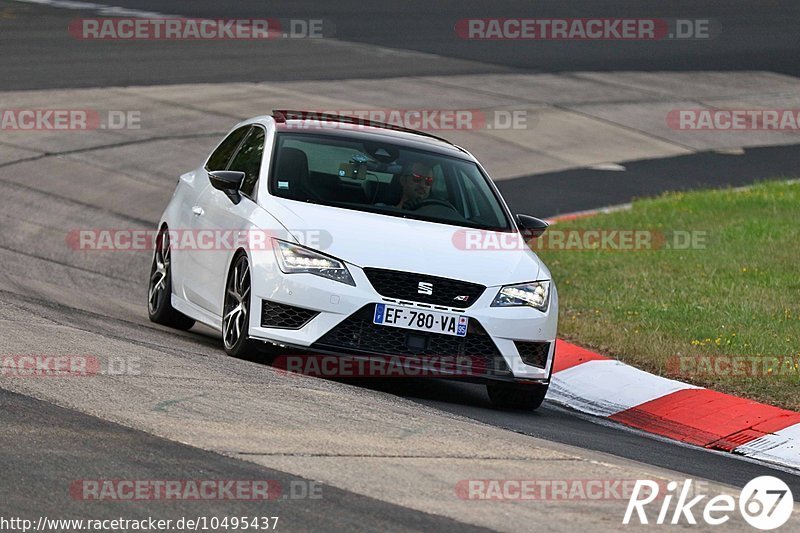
765, 503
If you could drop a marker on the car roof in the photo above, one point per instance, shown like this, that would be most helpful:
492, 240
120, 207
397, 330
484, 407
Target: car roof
314, 123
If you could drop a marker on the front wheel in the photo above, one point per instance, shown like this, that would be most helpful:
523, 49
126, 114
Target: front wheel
236, 311
519, 396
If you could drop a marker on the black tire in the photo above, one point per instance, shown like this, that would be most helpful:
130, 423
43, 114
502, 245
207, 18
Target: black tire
518, 396
159, 288
236, 311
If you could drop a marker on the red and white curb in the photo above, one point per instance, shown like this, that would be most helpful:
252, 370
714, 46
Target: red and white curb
592, 383
588, 213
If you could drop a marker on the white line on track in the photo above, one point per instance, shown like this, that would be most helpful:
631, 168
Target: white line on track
100, 9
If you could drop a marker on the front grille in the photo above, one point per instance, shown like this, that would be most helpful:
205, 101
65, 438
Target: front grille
275, 315
358, 335
533, 353
405, 286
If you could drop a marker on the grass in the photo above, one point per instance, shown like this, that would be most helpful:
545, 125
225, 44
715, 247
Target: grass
680, 312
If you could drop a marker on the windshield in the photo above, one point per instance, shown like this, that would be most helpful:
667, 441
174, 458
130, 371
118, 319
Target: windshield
389, 179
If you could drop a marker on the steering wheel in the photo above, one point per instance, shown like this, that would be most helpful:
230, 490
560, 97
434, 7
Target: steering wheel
434, 201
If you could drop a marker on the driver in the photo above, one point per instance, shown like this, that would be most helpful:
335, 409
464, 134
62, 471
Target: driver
416, 183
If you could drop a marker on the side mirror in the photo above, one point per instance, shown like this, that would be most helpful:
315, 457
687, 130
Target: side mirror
531, 227
229, 182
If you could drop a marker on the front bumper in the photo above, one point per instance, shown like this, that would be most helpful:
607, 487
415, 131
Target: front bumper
330, 317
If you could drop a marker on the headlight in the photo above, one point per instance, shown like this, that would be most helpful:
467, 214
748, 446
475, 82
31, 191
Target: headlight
295, 259
535, 294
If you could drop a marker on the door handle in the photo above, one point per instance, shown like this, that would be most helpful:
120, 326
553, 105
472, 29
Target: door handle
198, 211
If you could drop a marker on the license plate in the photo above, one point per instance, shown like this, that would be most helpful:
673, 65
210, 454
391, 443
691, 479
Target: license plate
411, 318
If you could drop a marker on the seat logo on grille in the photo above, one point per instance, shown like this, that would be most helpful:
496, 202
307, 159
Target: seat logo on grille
425, 288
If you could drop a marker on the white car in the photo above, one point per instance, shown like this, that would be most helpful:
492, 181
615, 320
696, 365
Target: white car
361, 240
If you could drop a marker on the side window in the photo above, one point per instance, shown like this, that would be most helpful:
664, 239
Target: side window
219, 159
248, 160
471, 193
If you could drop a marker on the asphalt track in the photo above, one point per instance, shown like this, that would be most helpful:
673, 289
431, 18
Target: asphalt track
35, 279
574, 190
80, 446
39, 54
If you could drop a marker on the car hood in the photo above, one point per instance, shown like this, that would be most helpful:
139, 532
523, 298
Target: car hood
383, 241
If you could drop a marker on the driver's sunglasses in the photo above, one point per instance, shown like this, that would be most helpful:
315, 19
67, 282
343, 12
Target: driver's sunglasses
418, 178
